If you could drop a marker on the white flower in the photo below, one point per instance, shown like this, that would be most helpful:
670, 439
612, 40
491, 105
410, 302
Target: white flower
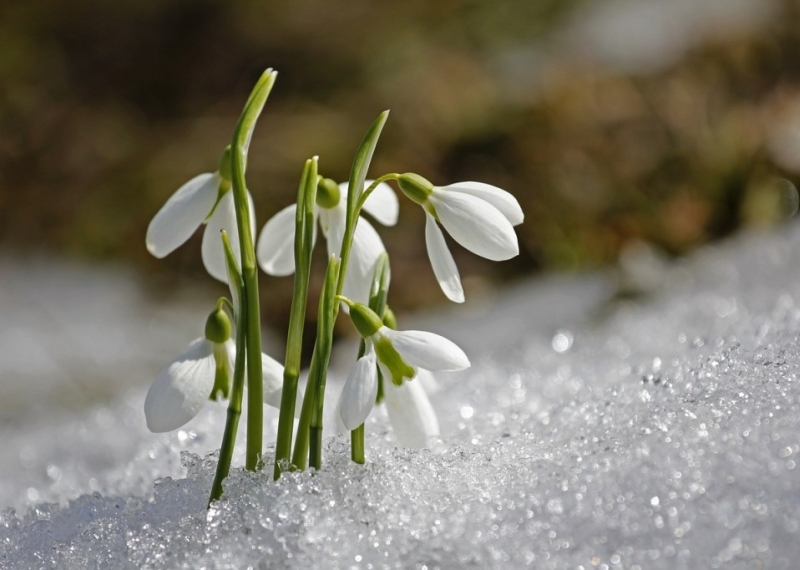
479, 216
411, 414
206, 198
275, 248
182, 388
399, 355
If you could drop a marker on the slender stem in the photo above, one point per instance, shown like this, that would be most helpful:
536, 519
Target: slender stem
327, 318
252, 317
309, 431
301, 442
379, 290
358, 173
357, 445
304, 231
237, 388
368, 191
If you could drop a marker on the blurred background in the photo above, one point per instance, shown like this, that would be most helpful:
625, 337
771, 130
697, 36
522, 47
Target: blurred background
618, 124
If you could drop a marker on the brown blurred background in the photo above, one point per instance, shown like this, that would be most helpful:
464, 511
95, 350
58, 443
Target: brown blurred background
616, 122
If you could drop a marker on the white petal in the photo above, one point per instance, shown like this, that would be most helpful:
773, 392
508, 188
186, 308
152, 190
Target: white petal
181, 388
367, 248
272, 372
223, 218
183, 213
230, 347
275, 250
382, 204
497, 197
332, 221
359, 392
476, 224
428, 381
442, 261
427, 350
412, 417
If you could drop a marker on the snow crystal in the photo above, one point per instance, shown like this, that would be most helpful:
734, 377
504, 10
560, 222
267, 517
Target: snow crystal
592, 432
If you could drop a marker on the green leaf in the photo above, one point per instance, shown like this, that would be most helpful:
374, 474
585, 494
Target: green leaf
362, 160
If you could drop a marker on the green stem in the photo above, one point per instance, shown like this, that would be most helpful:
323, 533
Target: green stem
368, 191
377, 302
304, 231
301, 442
357, 445
252, 317
327, 318
237, 388
309, 431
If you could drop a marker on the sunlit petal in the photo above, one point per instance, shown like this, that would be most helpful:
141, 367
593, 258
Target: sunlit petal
181, 389
183, 213
359, 392
272, 373
427, 350
444, 267
497, 197
476, 224
382, 204
410, 412
275, 248
367, 248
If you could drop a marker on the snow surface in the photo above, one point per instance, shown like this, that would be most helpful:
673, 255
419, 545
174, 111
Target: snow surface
654, 432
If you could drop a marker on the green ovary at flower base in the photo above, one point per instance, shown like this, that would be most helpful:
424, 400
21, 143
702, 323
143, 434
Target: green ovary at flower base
479, 216
205, 199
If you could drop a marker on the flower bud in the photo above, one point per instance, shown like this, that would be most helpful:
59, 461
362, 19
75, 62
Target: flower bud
328, 194
415, 187
389, 319
218, 327
366, 321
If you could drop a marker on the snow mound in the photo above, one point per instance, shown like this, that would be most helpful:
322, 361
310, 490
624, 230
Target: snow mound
662, 432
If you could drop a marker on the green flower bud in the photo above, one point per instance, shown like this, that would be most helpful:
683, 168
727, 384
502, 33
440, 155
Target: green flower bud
225, 164
390, 358
328, 194
366, 321
415, 187
389, 319
218, 327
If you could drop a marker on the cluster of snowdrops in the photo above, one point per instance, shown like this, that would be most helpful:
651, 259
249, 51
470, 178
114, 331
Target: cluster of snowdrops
228, 358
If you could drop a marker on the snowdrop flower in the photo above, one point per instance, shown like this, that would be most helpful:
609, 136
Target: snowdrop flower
479, 216
275, 248
399, 354
205, 199
201, 373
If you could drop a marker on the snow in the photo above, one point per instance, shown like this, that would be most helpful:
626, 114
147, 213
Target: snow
593, 431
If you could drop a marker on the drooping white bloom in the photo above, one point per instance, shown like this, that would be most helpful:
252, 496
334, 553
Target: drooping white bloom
182, 388
205, 199
479, 216
399, 354
275, 248
410, 412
